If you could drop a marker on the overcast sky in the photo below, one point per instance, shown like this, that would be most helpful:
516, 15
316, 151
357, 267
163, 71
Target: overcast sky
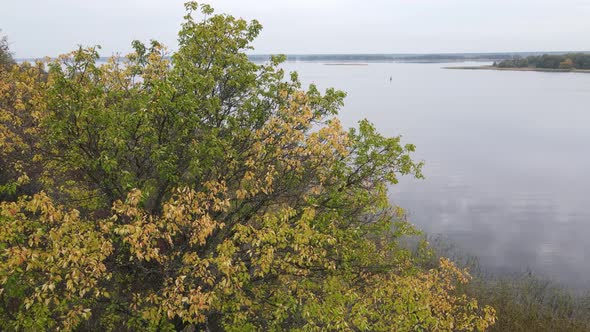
49, 27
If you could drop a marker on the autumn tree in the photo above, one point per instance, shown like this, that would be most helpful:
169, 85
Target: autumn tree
21, 92
199, 190
566, 64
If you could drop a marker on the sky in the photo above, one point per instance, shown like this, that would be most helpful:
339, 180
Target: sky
37, 28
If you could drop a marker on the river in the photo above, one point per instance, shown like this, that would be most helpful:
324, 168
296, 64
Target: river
507, 157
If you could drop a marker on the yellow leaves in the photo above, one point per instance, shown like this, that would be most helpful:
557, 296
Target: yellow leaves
186, 220
206, 227
248, 176
241, 194
142, 234
249, 162
68, 253
286, 237
488, 319
134, 197
178, 300
21, 96
19, 105
308, 214
450, 270
187, 214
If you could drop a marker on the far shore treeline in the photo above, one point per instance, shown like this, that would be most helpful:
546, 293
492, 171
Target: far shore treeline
505, 57
548, 61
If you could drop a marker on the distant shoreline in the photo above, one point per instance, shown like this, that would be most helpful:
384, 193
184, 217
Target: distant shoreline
547, 70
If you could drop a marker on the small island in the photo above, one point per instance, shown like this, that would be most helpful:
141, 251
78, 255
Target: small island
570, 62
346, 64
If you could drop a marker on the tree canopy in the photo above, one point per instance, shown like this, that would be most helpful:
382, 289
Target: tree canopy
199, 190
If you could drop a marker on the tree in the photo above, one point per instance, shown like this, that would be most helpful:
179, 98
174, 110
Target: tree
550, 61
5, 55
202, 190
566, 64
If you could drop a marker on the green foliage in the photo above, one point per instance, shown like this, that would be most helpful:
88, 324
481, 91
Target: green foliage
204, 191
6, 59
547, 61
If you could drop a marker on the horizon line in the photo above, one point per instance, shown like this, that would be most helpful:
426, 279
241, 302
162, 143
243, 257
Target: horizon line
378, 54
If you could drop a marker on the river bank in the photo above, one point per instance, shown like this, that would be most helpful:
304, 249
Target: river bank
520, 69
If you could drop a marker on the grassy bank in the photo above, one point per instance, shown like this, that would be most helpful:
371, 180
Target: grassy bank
525, 301
530, 303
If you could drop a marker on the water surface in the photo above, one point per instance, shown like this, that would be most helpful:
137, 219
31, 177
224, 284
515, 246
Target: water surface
507, 157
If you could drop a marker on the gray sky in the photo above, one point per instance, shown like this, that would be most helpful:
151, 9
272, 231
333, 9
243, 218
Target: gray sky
49, 27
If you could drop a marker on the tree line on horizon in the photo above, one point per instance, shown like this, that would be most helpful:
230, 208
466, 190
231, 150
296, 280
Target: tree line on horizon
548, 61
